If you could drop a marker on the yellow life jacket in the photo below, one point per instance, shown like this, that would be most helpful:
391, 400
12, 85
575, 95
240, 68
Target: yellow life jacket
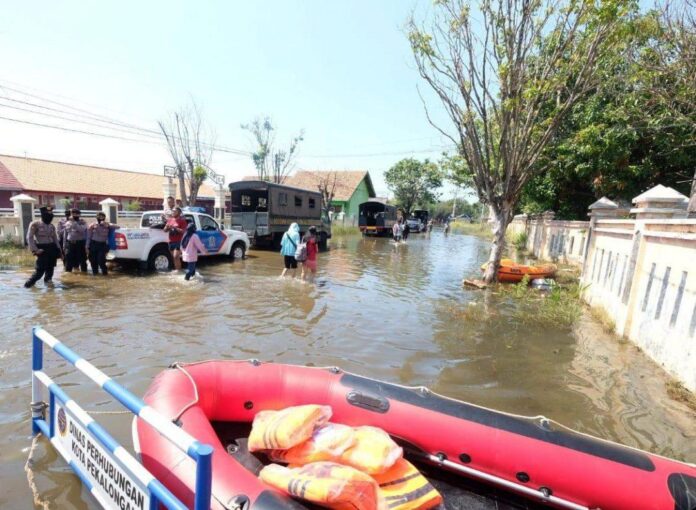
325, 483
404, 488
286, 428
373, 452
327, 443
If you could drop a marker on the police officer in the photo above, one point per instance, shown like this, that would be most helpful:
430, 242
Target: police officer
61, 230
98, 242
75, 240
61, 225
43, 243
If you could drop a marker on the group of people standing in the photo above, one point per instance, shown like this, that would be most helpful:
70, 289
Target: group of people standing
74, 241
400, 230
302, 250
184, 243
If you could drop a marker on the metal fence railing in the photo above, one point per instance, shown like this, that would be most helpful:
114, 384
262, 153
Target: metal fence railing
101, 463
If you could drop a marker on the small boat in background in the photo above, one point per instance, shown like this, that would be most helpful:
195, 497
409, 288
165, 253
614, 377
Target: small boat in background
512, 272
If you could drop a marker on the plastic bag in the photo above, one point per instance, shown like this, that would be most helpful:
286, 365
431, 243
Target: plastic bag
403, 488
373, 452
328, 442
325, 483
286, 428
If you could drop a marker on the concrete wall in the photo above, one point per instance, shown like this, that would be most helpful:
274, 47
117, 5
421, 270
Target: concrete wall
9, 229
562, 241
642, 273
9, 226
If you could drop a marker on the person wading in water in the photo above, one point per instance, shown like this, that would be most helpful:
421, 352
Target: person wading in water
43, 244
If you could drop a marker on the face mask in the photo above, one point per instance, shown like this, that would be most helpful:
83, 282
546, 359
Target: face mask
100, 220
76, 218
46, 217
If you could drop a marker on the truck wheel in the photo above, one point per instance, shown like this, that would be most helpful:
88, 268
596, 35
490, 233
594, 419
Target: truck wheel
322, 241
238, 251
160, 260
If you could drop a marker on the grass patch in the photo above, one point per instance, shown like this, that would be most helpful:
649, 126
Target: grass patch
344, 230
604, 319
471, 229
678, 392
561, 307
14, 255
519, 241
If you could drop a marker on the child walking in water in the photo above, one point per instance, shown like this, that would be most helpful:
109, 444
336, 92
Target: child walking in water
190, 246
310, 263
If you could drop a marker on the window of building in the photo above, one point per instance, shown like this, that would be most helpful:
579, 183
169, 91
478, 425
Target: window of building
283, 199
246, 200
262, 202
312, 203
298, 201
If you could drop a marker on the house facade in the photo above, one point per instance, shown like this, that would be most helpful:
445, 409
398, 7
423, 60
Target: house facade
353, 187
71, 185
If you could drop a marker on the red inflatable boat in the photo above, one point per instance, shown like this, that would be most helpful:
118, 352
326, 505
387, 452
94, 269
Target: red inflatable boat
528, 462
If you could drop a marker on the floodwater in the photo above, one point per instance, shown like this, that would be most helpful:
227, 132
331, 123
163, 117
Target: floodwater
377, 309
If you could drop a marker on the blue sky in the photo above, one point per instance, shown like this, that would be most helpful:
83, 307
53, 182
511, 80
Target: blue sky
342, 71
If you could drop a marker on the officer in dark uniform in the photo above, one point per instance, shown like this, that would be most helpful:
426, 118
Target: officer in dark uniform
61, 230
98, 242
75, 239
43, 243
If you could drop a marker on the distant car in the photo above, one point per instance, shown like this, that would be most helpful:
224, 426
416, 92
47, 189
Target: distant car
415, 224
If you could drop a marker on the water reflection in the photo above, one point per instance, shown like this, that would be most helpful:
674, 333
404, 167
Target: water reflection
393, 312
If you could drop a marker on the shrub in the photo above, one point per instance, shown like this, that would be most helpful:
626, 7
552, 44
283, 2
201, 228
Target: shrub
519, 241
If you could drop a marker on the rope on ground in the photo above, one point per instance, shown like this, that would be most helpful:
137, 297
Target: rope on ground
38, 502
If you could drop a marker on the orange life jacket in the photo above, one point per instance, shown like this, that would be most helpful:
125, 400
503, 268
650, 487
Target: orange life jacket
286, 428
325, 483
404, 488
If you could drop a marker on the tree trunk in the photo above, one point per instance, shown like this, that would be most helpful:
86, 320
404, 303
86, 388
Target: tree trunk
691, 208
502, 219
182, 188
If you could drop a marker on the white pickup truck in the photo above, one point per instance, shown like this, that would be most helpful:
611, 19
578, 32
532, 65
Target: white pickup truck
149, 244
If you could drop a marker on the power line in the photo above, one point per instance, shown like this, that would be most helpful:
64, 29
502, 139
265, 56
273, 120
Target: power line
376, 154
52, 115
61, 128
104, 119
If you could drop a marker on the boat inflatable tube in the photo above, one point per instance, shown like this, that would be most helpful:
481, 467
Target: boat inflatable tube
533, 457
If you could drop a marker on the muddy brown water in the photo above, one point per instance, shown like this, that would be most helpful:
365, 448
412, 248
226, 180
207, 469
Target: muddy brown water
379, 310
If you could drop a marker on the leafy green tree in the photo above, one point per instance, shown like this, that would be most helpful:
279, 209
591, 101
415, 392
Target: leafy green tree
413, 183
507, 74
621, 140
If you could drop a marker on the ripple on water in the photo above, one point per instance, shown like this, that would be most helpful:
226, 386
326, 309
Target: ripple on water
394, 313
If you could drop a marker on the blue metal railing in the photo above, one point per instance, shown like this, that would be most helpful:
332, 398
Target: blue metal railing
158, 493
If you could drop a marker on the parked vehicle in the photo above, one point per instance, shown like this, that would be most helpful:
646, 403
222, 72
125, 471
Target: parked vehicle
376, 218
415, 225
149, 244
265, 210
423, 215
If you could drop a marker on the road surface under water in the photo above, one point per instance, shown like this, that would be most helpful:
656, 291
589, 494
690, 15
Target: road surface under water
379, 310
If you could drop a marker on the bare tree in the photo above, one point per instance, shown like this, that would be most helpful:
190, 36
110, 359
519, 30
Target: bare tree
326, 184
185, 133
272, 164
506, 76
